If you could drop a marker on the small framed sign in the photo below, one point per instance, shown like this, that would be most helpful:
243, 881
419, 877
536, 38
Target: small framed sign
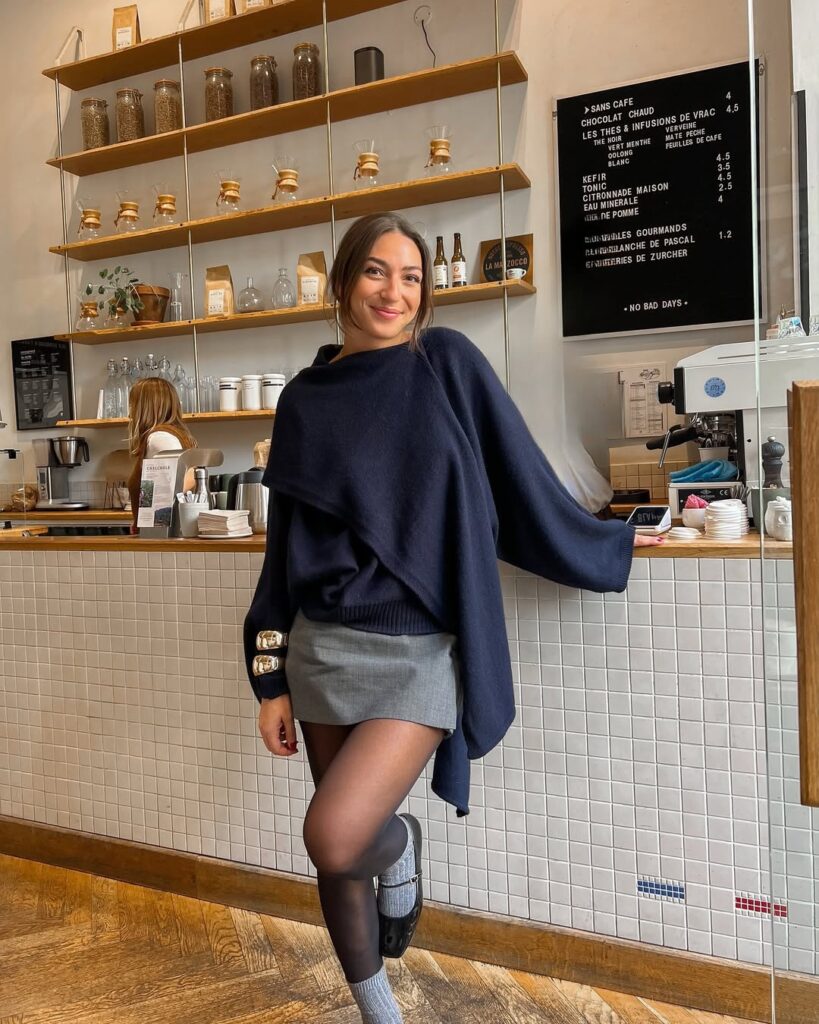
519, 255
42, 382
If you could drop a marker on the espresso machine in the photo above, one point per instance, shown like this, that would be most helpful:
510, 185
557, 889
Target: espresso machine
717, 390
54, 458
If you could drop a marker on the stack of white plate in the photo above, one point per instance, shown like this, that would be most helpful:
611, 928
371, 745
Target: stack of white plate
726, 520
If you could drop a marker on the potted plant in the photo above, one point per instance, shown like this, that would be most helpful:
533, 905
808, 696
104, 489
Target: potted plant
126, 294
118, 294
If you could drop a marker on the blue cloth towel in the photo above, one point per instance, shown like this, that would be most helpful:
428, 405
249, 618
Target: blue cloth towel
713, 471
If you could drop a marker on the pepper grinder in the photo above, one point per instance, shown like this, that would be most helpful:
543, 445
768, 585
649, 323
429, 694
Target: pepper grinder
772, 453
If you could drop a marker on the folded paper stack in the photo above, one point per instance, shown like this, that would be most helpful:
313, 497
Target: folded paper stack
224, 523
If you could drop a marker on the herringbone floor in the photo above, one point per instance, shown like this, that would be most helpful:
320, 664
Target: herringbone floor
79, 949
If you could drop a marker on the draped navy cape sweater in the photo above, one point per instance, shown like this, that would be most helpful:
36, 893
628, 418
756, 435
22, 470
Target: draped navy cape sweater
426, 458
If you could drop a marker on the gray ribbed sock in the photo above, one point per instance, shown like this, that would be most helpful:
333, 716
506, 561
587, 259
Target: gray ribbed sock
375, 999
399, 900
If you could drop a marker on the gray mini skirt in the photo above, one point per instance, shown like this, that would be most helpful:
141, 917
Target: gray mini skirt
340, 676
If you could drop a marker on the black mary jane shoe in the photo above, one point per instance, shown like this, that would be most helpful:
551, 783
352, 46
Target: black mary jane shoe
395, 933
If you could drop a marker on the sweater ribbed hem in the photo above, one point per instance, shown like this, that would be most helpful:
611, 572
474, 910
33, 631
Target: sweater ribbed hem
395, 618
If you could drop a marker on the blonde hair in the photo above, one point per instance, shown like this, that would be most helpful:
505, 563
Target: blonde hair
152, 405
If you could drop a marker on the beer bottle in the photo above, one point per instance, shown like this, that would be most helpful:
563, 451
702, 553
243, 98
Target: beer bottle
458, 264
440, 267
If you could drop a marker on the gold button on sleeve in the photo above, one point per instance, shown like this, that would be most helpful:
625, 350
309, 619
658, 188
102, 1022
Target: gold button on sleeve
270, 640
264, 663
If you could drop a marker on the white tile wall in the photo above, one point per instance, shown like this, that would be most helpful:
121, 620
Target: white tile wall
639, 749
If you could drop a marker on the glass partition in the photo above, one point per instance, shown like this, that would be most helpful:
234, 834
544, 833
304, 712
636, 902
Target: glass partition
787, 365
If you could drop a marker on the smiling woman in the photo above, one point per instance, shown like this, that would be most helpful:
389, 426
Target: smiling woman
381, 283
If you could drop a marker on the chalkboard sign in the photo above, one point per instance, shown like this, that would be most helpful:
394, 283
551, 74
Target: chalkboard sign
656, 210
42, 382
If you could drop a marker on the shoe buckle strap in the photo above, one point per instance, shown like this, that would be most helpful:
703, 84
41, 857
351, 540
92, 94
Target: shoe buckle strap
397, 885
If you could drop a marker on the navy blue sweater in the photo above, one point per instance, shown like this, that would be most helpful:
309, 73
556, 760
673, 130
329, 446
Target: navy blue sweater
429, 463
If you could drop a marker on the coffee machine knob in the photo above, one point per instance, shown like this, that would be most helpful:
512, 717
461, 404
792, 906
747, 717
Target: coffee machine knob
665, 392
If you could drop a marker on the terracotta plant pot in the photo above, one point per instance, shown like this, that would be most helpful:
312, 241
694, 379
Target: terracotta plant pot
154, 303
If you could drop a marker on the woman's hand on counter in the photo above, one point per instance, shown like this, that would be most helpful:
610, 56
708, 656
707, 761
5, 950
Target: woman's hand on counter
276, 726
645, 540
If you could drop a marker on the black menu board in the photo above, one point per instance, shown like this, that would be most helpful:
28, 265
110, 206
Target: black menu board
42, 382
655, 197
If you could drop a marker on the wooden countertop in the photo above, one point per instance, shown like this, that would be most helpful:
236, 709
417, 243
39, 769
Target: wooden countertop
87, 517
748, 547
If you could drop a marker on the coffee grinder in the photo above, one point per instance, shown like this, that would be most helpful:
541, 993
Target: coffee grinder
54, 457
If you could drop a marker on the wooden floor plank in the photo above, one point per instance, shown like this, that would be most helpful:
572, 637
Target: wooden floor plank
160, 914
254, 941
630, 1009
189, 923
508, 994
667, 1014
77, 900
104, 910
590, 1004
546, 995
224, 942
51, 898
78, 949
438, 988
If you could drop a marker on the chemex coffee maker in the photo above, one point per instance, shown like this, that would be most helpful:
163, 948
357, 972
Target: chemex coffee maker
717, 390
54, 457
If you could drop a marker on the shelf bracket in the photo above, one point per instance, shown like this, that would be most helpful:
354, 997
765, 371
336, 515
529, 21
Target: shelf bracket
76, 30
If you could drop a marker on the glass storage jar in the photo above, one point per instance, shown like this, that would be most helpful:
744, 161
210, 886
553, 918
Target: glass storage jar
218, 94
96, 131
130, 115
306, 71
264, 85
167, 106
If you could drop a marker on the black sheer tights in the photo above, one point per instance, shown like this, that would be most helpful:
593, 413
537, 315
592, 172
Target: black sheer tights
362, 774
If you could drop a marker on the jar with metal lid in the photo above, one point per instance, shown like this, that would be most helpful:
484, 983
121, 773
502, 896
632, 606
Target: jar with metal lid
218, 94
306, 71
96, 130
167, 106
264, 84
130, 115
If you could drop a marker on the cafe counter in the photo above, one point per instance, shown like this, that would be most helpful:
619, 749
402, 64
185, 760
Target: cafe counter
125, 712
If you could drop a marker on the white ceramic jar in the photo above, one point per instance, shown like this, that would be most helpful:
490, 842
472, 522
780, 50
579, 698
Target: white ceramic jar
229, 393
251, 391
272, 384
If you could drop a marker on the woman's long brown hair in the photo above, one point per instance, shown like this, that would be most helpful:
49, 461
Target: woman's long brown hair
152, 405
352, 255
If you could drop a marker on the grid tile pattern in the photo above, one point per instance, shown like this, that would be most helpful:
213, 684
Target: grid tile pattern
646, 475
638, 751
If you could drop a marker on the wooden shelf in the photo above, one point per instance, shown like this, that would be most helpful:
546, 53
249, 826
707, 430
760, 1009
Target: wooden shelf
88, 517
188, 417
399, 196
277, 317
284, 17
344, 104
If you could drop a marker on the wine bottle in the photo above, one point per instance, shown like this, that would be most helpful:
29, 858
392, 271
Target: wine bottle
458, 264
440, 267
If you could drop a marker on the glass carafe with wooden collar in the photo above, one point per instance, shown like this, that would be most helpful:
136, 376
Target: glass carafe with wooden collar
286, 169
229, 199
90, 225
165, 212
367, 168
439, 158
127, 218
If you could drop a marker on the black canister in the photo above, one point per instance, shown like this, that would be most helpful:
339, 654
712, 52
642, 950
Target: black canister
369, 65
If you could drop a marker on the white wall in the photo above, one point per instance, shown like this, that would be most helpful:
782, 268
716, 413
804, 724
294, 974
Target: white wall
568, 46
